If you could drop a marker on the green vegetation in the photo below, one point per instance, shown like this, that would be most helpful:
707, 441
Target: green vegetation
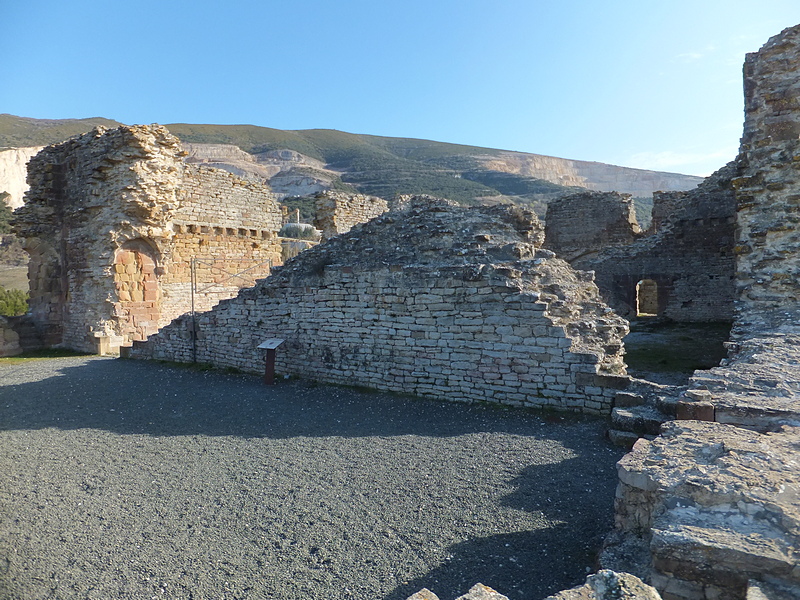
13, 302
306, 206
512, 184
666, 347
299, 231
46, 354
18, 132
5, 214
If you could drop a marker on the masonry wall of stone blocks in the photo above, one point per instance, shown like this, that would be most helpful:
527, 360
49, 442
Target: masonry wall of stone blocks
528, 332
582, 224
338, 212
118, 227
688, 256
768, 191
9, 339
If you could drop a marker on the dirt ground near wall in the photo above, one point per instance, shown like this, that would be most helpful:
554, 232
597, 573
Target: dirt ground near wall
14, 277
129, 479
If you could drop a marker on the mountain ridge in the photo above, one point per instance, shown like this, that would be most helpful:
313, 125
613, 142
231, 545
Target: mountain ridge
380, 165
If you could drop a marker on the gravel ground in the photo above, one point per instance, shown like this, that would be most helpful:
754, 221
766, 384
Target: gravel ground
127, 479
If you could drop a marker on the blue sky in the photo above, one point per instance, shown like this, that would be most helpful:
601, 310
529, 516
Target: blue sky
637, 83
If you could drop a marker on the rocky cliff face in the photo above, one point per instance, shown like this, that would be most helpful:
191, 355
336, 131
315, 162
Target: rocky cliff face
287, 172
590, 175
290, 173
13, 172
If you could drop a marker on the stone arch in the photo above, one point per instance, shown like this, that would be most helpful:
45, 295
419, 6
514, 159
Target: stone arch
138, 290
647, 304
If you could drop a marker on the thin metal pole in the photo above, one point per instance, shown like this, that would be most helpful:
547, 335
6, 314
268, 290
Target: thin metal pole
193, 270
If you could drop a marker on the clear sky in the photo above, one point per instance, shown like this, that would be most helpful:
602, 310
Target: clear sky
641, 83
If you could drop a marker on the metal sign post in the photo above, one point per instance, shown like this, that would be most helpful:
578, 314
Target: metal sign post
269, 360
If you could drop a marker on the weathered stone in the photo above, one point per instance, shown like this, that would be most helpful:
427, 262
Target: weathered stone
482, 592
681, 268
117, 227
721, 503
338, 212
423, 594
585, 223
609, 585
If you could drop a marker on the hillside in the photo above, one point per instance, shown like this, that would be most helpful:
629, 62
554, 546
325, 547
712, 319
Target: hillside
296, 163
20, 132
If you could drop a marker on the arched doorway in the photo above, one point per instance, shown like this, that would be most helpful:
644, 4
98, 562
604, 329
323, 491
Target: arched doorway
647, 298
138, 295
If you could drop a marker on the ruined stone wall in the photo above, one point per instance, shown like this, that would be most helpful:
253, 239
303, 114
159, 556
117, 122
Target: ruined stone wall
665, 204
768, 193
437, 301
112, 222
714, 501
337, 212
582, 224
689, 258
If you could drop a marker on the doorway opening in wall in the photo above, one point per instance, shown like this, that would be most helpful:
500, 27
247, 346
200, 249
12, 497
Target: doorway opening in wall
138, 295
647, 298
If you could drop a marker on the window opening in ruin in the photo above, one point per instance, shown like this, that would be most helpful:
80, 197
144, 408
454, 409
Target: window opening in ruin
647, 298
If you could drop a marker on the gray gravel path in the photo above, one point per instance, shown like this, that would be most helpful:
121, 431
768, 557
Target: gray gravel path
127, 479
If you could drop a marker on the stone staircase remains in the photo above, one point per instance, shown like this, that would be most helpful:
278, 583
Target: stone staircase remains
640, 410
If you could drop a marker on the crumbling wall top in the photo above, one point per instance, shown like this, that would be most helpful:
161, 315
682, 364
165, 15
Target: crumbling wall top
432, 231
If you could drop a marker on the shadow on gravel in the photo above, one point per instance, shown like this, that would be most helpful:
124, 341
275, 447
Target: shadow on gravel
525, 556
138, 397
532, 564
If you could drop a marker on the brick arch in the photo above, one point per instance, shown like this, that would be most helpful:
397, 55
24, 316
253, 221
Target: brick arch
138, 290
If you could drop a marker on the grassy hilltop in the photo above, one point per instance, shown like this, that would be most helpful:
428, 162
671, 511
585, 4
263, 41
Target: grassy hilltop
381, 166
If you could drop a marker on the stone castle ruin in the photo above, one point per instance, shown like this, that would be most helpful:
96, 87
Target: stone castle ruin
711, 508
681, 268
476, 305
123, 237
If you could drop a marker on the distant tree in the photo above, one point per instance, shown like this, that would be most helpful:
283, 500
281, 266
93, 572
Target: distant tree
5, 213
13, 302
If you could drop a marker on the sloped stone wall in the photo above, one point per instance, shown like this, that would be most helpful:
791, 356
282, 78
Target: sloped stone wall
112, 222
438, 301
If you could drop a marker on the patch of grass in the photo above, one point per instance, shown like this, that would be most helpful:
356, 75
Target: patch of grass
665, 347
17, 132
46, 354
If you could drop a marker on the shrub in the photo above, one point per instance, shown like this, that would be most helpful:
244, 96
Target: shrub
299, 231
13, 302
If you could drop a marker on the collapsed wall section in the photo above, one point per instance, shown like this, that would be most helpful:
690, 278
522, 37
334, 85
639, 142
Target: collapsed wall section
714, 502
438, 301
